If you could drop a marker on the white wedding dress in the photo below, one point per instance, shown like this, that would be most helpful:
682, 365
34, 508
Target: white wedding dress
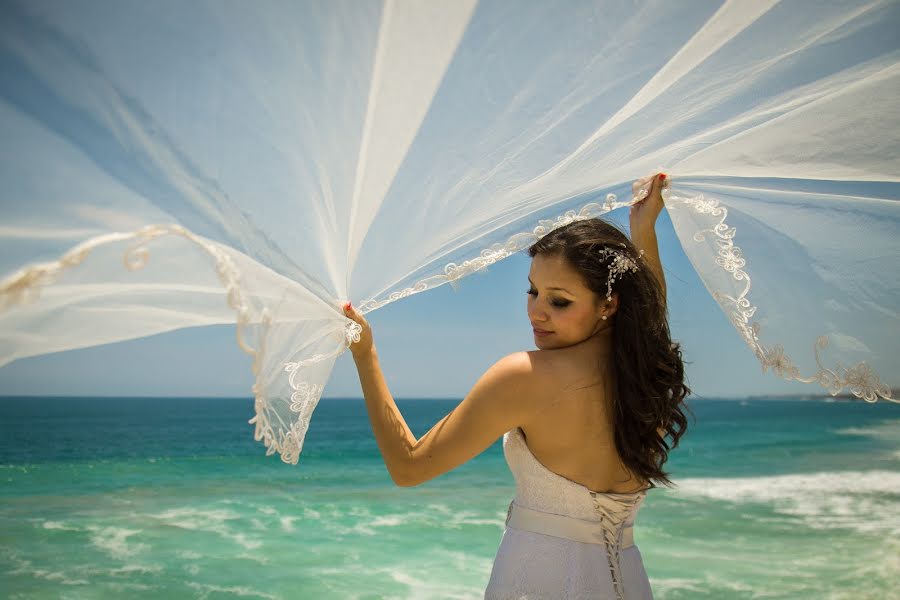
531, 565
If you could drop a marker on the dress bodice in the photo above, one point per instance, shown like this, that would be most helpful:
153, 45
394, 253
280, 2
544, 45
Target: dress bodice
540, 489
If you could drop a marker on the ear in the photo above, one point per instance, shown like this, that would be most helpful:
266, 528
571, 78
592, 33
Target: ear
609, 307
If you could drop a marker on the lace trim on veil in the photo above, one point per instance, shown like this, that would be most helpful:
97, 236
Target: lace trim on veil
25, 285
497, 252
861, 380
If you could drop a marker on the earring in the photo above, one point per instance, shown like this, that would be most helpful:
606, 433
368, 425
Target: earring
603, 317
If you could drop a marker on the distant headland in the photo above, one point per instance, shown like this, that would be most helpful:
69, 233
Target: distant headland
842, 397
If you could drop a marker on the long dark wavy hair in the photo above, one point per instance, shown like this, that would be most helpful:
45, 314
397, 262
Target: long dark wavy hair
648, 367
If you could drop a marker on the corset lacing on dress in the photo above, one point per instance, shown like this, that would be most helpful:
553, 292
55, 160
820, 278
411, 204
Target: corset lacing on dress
550, 498
613, 515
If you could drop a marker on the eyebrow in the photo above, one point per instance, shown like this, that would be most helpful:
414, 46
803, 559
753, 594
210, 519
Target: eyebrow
551, 288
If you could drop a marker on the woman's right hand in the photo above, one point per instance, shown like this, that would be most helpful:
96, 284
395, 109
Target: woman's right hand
644, 212
366, 344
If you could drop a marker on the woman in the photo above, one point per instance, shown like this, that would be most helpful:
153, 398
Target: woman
594, 403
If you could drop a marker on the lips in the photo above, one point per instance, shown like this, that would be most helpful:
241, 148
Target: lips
541, 331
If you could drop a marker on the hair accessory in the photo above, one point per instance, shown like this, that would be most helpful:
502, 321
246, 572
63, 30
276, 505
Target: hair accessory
621, 263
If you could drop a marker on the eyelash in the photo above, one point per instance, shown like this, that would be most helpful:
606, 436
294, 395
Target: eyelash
556, 303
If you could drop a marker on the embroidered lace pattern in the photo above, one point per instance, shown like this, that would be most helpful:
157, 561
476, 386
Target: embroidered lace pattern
287, 439
497, 252
860, 379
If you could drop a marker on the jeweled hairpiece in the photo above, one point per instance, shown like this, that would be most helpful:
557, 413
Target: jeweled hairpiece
621, 263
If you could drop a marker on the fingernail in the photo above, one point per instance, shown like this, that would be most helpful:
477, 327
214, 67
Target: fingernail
347, 306
662, 176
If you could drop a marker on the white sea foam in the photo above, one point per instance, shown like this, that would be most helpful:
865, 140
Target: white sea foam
466, 562
462, 517
58, 525
114, 540
133, 569
195, 518
434, 589
388, 520
432, 573
26, 567
358, 529
864, 501
702, 586
433, 516
257, 558
441, 509
129, 585
885, 430
188, 554
665, 585
287, 523
205, 589
125, 571
210, 520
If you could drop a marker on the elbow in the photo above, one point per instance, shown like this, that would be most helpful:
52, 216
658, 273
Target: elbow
404, 481
399, 480
403, 478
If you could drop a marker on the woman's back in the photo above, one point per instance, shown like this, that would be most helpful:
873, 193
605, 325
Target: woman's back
572, 434
569, 528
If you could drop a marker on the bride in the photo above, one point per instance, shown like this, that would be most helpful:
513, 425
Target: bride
583, 418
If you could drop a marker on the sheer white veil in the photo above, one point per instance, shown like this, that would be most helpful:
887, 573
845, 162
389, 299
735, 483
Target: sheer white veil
171, 164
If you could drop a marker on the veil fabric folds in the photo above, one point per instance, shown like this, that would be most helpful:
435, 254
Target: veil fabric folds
171, 164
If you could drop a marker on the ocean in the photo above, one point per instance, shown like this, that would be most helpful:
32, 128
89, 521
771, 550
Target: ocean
172, 498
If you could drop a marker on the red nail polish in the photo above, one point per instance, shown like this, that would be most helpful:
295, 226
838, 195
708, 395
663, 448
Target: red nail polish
662, 176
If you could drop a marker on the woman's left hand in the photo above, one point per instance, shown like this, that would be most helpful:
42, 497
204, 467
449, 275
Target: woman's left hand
366, 343
644, 212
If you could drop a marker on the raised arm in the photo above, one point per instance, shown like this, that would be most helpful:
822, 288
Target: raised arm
643, 228
501, 399
646, 241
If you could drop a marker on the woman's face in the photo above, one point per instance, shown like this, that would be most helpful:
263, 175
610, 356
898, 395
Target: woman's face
562, 310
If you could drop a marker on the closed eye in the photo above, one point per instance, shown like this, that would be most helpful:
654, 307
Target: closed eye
555, 302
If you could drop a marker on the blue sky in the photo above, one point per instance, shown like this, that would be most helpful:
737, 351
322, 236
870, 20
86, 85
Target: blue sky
434, 344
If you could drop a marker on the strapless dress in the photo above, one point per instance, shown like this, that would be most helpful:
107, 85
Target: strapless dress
564, 540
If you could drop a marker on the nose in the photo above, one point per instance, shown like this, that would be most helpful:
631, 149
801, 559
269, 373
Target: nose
535, 314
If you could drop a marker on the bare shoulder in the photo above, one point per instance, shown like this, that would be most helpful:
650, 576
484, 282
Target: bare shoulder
528, 365
521, 375
515, 368
549, 365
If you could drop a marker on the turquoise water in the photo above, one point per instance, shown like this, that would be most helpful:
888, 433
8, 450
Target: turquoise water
172, 498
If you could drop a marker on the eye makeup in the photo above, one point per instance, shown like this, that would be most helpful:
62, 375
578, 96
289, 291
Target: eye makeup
557, 302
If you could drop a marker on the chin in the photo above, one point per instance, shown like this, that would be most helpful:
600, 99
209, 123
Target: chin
548, 344
557, 343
